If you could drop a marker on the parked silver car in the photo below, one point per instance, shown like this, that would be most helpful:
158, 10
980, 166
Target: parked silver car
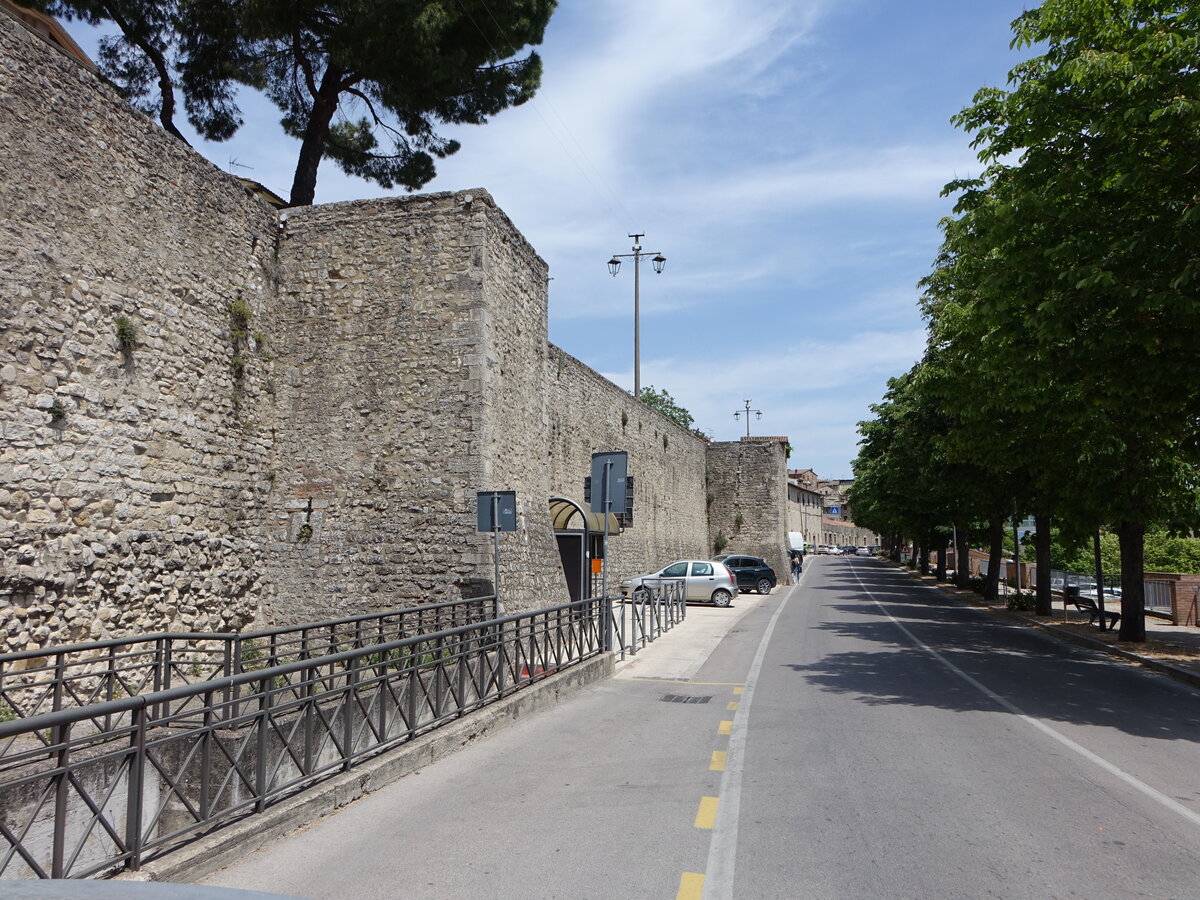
706, 581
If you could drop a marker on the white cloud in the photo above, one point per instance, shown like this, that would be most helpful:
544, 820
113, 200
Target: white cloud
813, 391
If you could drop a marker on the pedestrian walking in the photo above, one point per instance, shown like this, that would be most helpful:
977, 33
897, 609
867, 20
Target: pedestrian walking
797, 564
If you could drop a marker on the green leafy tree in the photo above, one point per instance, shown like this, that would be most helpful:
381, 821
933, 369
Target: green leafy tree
667, 405
1084, 224
365, 82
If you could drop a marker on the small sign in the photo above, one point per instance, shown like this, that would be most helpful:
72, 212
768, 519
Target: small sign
835, 510
609, 474
497, 511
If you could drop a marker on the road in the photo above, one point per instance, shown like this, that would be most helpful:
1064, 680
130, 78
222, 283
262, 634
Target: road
857, 735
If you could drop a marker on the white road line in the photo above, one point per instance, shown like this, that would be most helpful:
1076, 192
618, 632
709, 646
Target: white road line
1041, 726
722, 848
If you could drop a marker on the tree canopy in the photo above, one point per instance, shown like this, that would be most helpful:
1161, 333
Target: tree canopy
662, 401
1063, 313
145, 61
362, 82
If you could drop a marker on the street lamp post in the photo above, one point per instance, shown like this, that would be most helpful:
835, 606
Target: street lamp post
737, 414
614, 266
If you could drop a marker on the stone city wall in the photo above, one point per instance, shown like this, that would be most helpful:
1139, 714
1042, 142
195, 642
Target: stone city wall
216, 416
588, 414
131, 476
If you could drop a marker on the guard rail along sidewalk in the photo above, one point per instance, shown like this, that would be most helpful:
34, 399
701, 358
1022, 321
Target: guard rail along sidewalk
76, 675
87, 789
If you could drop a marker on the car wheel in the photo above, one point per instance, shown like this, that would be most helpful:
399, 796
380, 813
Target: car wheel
764, 586
641, 594
722, 598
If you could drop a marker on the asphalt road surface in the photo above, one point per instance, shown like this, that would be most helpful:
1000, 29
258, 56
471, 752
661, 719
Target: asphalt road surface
856, 736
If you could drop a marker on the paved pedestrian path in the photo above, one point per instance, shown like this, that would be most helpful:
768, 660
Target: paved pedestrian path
678, 654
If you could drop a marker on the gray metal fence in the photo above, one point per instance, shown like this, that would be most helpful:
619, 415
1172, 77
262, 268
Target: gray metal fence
648, 614
1158, 596
90, 789
1157, 591
77, 675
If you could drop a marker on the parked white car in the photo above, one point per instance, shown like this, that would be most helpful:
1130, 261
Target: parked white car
706, 581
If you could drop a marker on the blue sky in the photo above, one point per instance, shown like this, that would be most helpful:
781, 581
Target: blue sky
786, 156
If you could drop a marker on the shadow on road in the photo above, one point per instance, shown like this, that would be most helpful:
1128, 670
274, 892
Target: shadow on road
1041, 676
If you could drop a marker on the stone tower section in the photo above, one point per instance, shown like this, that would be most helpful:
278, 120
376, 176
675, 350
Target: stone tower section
410, 381
747, 484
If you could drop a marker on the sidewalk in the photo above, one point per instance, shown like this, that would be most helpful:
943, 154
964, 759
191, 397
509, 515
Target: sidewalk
679, 654
1173, 650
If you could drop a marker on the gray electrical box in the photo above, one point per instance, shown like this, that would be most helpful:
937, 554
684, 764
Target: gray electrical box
497, 511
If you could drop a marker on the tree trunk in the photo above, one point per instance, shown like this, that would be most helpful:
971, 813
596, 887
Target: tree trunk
924, 555
962, 558
991, 585
940, 571
166, 88
166, 85
316, 133
1133, 581
1041, 545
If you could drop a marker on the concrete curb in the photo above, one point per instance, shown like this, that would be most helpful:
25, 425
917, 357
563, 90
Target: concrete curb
239, 839
1178, 673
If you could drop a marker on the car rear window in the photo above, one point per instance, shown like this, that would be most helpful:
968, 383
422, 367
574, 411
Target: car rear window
702, 568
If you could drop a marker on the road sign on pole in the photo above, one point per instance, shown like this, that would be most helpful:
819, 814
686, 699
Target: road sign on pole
609, 474
496, 512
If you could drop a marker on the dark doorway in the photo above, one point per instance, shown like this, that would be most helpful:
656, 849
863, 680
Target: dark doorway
570, 550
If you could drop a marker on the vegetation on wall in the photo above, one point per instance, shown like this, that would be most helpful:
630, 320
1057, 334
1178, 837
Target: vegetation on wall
127, 334
239, 323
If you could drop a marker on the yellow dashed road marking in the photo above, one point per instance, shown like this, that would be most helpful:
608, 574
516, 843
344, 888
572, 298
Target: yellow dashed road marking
726, 727
733, 704
706, 815
718, 761
738, 690
691, 886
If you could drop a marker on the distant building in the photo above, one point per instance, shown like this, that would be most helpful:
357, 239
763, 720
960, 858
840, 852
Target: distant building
820, 511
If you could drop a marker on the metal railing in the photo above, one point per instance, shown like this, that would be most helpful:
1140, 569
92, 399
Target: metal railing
650, 612
78, 675
1157, 591
89, 790
1158, 596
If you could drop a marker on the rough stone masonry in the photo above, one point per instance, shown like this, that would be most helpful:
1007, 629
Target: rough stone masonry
215, 415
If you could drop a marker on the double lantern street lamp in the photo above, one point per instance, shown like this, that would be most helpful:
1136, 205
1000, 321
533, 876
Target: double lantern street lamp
737, 414
614, 266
